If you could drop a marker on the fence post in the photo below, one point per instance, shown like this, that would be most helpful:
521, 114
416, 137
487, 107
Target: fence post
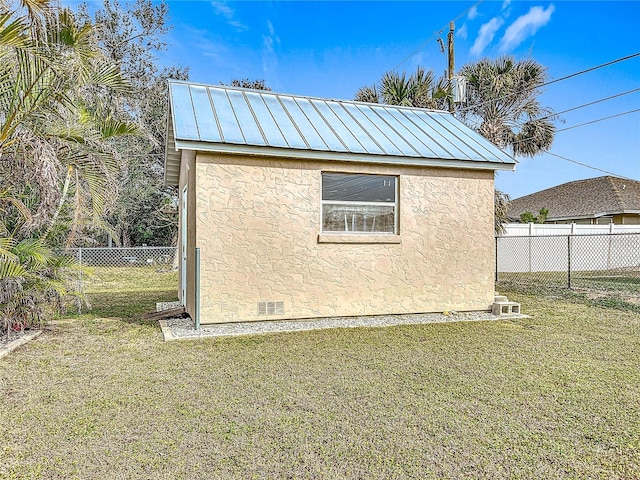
80, 262
569, 261
197, 288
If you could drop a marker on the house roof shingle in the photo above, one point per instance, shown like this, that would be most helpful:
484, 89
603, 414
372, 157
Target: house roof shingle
591, 198
234, 120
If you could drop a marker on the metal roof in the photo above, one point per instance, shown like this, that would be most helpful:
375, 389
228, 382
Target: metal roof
234, 120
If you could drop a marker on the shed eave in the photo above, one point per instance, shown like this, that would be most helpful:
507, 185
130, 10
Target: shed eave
344, 156
171, 154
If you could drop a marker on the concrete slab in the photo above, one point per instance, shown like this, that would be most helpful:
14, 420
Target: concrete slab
184, 329
18, 342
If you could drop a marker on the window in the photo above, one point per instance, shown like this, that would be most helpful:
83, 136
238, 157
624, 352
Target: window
359, 204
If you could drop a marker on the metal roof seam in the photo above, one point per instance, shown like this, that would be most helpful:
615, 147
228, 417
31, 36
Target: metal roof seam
337, 100
408, 130
370, 112
467, 140
295, 100
427, 134
235, 115
329, 138
341, 156
293, 122
260, 95
312, 103
275, 121
222, 119
195, 116
328, 104
383, 107
456, 146
366, 131
215, 115
357, 106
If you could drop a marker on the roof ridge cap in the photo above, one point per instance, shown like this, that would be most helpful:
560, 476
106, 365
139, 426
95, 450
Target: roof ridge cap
616, 192
308, 97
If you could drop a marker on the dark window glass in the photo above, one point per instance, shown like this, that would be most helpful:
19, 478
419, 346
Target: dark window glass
358, 188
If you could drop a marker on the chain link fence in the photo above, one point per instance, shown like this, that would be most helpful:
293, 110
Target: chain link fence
602, 262
113, 269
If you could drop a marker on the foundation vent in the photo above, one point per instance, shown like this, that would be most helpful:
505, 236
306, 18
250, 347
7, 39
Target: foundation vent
270, 308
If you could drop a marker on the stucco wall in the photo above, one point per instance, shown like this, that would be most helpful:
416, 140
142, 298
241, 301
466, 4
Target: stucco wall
258, 222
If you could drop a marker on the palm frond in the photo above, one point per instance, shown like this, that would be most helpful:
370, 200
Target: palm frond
109, 76
6, 246
11, 269
12, 32
110, 128
33, 252
367, 94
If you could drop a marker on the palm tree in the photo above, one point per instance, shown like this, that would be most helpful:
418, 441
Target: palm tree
502, 104
54, 129
34, 280
367, 94
416, 90
52, 80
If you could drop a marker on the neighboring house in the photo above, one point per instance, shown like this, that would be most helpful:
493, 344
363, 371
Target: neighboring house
304, 207
600, 200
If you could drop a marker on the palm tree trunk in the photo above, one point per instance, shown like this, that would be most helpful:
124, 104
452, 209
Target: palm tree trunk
63, 196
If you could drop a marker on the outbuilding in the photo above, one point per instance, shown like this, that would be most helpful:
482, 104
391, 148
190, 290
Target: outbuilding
295, 207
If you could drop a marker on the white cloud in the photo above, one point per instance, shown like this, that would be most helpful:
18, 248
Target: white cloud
486, 34
463, 32
269, 54
505, 4
224, 10
473, 13
525, 26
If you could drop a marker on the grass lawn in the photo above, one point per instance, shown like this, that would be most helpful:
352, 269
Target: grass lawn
620, 281
553, 396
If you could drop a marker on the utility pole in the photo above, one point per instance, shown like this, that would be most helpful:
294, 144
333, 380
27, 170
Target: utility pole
450, 63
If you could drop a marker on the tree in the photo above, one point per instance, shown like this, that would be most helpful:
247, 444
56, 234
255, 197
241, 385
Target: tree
416, 90
528, 217
145, 211
52, 82
502, 104
56, 135
248, 83
501, 203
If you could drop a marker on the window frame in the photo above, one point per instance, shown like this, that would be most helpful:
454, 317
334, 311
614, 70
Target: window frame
350, 233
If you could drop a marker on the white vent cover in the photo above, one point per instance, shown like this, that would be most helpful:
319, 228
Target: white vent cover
271, 308
459, 89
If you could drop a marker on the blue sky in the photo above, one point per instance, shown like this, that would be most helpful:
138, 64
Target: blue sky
330, 49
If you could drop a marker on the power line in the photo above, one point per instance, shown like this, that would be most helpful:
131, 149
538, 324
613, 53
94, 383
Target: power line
589, 104
439, 32
598, 120
555, 114
588, 166
628, 57
583, 124
566, 77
